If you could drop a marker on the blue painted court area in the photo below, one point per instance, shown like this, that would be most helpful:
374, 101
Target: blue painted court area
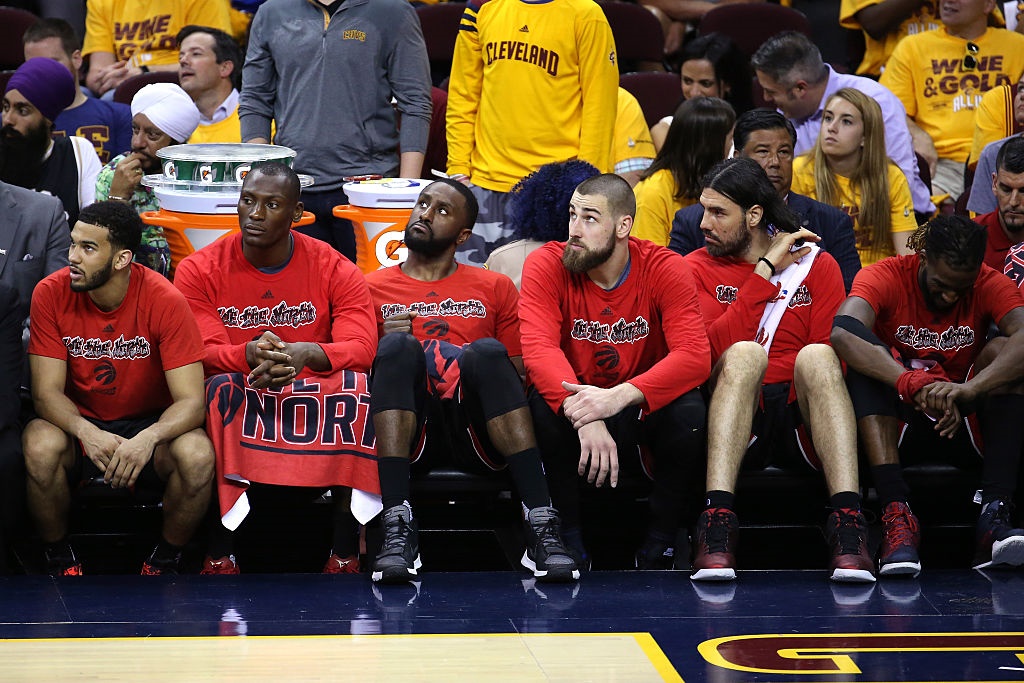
948, 625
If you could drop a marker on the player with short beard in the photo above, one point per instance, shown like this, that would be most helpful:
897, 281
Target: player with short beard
611, 336
117, 384
1006, 224
449, 349
768, 300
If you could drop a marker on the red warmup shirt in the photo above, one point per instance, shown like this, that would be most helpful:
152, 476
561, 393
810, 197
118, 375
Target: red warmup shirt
470, 304
997, 245
647, 331
733, 299
116, 360
952, 339
320, 296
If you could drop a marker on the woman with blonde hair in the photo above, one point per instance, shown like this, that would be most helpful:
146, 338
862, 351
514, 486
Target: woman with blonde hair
847, 168
700, 136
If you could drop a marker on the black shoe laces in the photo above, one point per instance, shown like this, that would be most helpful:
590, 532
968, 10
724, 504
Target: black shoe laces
717, 535
849, 532
396, 531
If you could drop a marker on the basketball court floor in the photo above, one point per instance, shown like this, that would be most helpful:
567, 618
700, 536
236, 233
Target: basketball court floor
628, 626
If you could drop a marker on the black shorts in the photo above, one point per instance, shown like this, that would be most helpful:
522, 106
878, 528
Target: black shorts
448, 437
778, 436
86, 471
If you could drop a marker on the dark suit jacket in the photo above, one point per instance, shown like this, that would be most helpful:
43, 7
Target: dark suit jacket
34, 240
833, 226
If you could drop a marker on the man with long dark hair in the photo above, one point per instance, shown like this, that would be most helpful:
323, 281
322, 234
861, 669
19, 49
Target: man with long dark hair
768, 295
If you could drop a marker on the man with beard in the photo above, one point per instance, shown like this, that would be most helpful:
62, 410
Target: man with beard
65, 167
162, 114
1005, 225
615, 349
447, 378
912, 333
286, 321
117, 383
768, 299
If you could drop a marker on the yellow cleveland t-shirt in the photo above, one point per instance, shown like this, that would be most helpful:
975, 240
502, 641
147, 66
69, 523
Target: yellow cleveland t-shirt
902, 207
926, 73
656, 206
144, 30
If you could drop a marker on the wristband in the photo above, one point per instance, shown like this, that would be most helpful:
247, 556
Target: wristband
768, 263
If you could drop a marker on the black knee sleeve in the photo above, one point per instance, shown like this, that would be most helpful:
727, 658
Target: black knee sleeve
870, 397
490, 380
399, 376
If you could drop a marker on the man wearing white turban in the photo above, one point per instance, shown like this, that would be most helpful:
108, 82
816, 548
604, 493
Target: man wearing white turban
162, 114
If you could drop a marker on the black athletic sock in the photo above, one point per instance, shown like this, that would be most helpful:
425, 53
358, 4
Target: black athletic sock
889, 484
394, 481
720, 499
528, 473
845, 500
1003, 434
346, 528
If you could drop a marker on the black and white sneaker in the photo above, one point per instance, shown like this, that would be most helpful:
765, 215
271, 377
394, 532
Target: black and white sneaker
546, 555
399, 558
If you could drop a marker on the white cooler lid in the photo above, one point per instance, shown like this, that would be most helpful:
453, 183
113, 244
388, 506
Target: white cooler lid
385, 193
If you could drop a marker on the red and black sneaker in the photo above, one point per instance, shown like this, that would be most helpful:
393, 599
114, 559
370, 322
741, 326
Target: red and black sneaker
717, 531
61, 561
342, 565
221, 566
901, 537
847, 532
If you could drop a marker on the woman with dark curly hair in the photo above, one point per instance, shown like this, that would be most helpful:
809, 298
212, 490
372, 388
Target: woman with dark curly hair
539, 213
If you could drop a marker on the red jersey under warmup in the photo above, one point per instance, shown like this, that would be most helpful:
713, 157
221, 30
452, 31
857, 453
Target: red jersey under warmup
647, 331
733, 299
234, 303
903, 321
117, 359
470, 304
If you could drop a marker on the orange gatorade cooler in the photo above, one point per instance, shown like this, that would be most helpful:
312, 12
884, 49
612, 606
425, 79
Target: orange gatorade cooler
379, 210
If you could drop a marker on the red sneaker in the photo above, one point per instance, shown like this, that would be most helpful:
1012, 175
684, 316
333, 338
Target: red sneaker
848, 539
222, 565
901, 537
717, 531
342, 565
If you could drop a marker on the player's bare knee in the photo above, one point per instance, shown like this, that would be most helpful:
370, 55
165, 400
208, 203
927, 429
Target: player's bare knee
192, 457
45, 447
817, 365
744, 363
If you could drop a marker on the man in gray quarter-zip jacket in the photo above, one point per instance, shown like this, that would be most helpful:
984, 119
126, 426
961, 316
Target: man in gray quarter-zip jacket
325, 73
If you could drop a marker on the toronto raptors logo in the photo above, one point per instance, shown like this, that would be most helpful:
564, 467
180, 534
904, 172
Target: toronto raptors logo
435, 328
105, 373
607, 358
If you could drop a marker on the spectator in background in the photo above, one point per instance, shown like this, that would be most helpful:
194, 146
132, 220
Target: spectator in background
538, 212
1000, 114
564, 86
107, 125
162, 115
125, 39
884, 23
767, 137
796, 80
848, 169
632, 148
712, 66
328, 82
940, 77
65, 167
211, 72
700, 137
